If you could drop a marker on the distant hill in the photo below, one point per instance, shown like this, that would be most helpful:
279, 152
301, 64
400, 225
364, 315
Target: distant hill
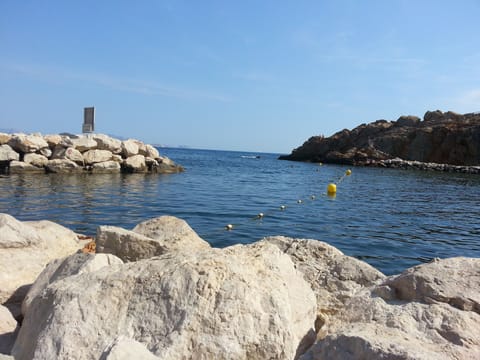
447, 138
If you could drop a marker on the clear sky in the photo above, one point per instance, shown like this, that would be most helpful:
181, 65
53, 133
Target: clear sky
240, 75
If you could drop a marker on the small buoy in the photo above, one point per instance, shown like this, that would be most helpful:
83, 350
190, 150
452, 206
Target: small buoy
282, 207
348, 172
331, 189
229, 227
299, 201
312, 197
260, 215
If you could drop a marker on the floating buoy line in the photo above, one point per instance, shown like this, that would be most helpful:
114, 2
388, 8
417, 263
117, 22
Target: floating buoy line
331, 192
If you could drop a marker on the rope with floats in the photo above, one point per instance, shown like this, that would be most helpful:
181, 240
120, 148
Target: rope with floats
331, 192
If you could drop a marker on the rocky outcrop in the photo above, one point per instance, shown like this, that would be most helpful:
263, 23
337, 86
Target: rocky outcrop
97, 153
442, 138
279, 298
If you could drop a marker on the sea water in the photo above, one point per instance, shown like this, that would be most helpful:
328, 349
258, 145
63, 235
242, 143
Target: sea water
390, 218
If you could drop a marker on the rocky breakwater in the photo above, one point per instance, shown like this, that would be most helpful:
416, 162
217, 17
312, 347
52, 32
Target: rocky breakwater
159, 291
441, 138
95, 153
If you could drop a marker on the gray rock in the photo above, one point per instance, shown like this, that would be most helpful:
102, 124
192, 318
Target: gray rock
106, 167
35, 160
7, 153
173, 233
8, 326
21, 167
63, 166
97, 156
59, 269
135, 164
243, 302
127, 245
129, 148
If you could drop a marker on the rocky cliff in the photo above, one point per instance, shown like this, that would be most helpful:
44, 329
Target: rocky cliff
444, 138
95, 153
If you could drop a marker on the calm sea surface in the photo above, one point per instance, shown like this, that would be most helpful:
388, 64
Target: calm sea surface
392, 219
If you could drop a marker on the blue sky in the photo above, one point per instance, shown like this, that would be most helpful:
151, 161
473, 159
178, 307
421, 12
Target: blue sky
239, 75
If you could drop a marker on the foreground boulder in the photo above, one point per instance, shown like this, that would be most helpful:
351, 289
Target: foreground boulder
428, 312
25, 249
8, 326
242, 302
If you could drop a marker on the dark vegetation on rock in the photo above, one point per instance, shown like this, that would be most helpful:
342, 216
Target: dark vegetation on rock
442, 138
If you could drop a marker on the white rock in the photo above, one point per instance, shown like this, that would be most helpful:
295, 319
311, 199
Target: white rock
59, 269
53, 140
35, 160
106, 167
424, 313
25, 250
244, 302
97, 156
117, 158
84, 143
73, 154
135, 164
27, 143
105, 142
173, 233
45, 152
63, 166
129, 148
7, 153
127, 245
128, 349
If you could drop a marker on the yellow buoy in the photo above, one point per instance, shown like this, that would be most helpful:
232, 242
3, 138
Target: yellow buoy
331, 189
229, 227
348, 172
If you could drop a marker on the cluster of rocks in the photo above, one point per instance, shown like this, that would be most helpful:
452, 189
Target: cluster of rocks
441, 138
159, 291
398, 163
93, 153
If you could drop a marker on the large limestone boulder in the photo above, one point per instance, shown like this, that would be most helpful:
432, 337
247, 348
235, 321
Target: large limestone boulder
97, 156
243, 302
63, 166
53, 140
8, 325
84, 143
35, 160
424, 313
127, 245
173, 233
7, 153
334, 277
25, 249
129, 148
135, 164
17, 167
27, 143
58, 269
68, 153
106, 167
105, 142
